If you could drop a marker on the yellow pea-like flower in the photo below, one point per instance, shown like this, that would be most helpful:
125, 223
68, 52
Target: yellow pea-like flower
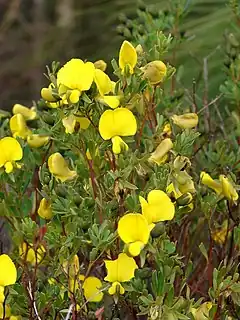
133, 229
158, 207
37, 141
19, 127
75, 75
27, 113
155, 71
59, 168
45, 209
159, 156
8, 271
11, 151
120, 270
115, 124
186, 121
127, 57
227, 188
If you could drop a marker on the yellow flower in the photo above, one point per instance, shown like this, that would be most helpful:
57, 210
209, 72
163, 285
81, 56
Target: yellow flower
100, 64
70, 122
167, 129
159, 156
77, 76
2, 297
183, 182
19, 127
207, 180
11, 151
91, 288
28, 114
155, 71
133, 229
127, 56
116, 123
47, 93
45, 209
59, 168
202, 312
37, 141
171, 190
158, 207
30, 254
71, 267
8, 271
186, 121
120, 270
105, 86
228, 190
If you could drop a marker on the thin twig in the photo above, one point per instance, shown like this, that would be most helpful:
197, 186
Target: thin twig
33, 300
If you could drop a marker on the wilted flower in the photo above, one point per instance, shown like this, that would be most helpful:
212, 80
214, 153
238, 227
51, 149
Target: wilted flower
70, 122
71, 267
183, 182
158, 207
120, 270
45, 209
202, 312
219, 235
59, 168
117, 123
159, 156
139, 49
8, 271
133, 229
28, 114
105, 86
11, 151
100, 64
155, 71
75, 76
222, 187
19, 127
127, 56
186, 121
30, 254
37, 141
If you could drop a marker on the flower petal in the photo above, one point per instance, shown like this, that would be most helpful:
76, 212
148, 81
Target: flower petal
103, 82
11, 150
91, 288
8, 271
127, 56
28, 114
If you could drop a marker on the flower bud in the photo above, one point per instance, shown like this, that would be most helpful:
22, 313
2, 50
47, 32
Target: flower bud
186, 121
47, 95
100, 64
158, 230
185, 199
155, 71
45, 209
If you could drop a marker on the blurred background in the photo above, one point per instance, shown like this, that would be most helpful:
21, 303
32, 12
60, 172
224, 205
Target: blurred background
33, 33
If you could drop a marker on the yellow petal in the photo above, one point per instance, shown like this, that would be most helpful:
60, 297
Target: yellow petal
120, 270
127, 56
8, 167
160, 154
171, 190
7, 311
103, 82
118, 145
159, 207
76, 74
11, 151
208, 181
28, 114
91, 288
59, 168
155, 71
72, 267
30, 254
47, 95
133, 227
111, 101
135, 248
116, 288
2, 296
45, 209
19, 127
100, 64
8, 271
186, 121
227, 188
74, 96
118, 122
69, 123
84, 122
37, 141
